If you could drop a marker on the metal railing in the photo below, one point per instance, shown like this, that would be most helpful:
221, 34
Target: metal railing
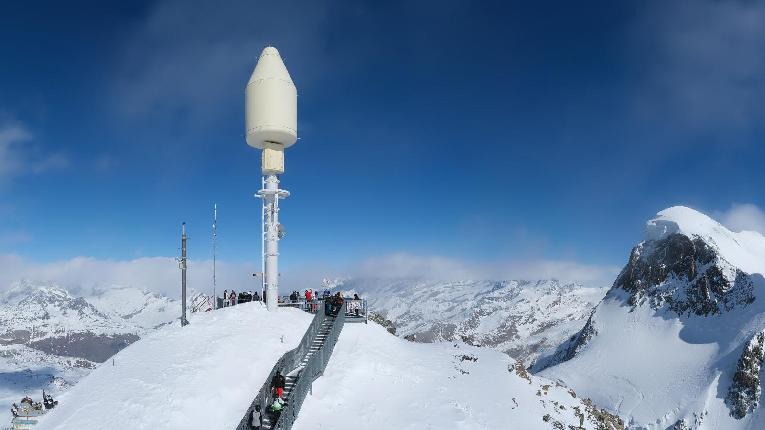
290, 361
313, 369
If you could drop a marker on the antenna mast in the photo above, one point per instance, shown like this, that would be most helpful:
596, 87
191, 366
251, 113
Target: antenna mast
214, 236
184, 321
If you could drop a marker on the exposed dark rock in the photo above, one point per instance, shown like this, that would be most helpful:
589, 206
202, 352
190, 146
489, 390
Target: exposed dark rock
745, 390
570, 348
86, 345
685, 274
379, 319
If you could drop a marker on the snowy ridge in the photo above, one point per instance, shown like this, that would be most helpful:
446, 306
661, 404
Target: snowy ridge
521, 318
384, 382
665, 346
204, 375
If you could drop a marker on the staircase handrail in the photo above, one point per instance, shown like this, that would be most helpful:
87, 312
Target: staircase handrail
314, 368
288, 361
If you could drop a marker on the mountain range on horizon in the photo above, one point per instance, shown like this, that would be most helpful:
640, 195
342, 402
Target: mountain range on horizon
675, 343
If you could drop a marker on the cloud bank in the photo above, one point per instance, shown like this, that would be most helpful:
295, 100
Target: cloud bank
742, 217
161, 274
404, 265
702, 62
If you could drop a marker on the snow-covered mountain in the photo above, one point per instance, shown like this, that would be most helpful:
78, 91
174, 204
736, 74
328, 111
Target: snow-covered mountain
521, 318
48, 318
677, 343
49, 338
205, 375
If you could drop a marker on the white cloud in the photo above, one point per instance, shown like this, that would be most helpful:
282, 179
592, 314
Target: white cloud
403, 265
202, 53
161, 274
744, 217
702, 61
18, 157
11, 137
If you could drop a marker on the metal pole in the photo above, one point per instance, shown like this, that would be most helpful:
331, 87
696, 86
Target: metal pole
215, 235
184, 321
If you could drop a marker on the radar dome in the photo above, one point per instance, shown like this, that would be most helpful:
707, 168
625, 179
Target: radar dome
270, 103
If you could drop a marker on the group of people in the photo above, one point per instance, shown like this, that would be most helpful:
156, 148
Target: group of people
232, 298
276, 407
28, 405
333, 304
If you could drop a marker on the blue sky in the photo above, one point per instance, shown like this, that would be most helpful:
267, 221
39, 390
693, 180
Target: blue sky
488, 133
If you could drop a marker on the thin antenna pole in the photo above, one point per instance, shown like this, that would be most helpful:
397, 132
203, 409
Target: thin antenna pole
214, 236
184, 321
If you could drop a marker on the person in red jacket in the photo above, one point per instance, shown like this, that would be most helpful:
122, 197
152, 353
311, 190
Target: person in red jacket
308, 295
279, 382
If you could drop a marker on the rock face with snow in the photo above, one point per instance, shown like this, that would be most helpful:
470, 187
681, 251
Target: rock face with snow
521, 318
677, 342
744, 393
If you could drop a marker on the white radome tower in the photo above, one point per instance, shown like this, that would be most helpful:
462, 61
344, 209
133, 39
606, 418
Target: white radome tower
271, 124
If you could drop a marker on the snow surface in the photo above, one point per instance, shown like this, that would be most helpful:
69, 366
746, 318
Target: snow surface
378, 381
202, 376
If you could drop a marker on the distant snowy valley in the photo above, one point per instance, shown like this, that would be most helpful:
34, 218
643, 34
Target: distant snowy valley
524, 319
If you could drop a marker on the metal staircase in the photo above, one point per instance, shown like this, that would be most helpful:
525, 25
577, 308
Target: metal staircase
300, 366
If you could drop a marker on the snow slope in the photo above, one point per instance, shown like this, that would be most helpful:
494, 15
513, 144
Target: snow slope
521, 318
378, 381
202, 376
50, 338
663, 347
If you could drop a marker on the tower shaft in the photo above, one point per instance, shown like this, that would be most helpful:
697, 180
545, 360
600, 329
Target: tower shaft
271, 235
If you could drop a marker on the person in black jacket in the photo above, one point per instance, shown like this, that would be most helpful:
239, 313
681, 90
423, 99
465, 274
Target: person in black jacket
279, 382
337, 303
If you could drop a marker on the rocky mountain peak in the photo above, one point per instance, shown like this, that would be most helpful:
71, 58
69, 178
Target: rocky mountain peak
691, 264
